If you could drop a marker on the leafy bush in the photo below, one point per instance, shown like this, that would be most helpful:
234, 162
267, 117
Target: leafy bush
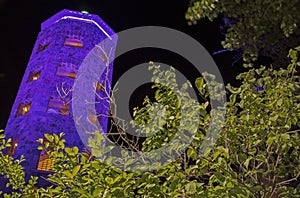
256, 154
269, 28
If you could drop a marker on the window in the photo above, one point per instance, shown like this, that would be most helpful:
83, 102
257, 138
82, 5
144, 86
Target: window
66, 70
23, 109
42, 47
33, 76
88, 155
99, 87
86, 152
73, 42
57, 106
11, 150
45, 163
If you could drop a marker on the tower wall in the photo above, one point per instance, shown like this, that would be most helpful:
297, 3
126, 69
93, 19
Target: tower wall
61, 46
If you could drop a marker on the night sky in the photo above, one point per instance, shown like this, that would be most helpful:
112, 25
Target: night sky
20, 23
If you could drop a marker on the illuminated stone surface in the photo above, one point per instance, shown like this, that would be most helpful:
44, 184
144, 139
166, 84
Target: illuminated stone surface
52, 63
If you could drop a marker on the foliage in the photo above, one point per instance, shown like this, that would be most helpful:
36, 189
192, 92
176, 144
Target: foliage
172, 111
11, 169
256, 154
267, 28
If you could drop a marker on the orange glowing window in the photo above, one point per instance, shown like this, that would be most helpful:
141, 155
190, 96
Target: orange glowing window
57, 106
11, 150
65, 71
23, 109
45, 163
100, 87
72, 42
33, 76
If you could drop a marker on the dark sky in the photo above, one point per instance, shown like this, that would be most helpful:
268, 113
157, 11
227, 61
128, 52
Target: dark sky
20, 23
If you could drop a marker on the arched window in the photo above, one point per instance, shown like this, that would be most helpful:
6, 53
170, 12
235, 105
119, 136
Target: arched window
100, 87
23, 109
43, 45
58, 106
33, 76
11, 150
66, 70
73, 42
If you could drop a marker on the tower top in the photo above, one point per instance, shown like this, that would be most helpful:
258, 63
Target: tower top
80, 16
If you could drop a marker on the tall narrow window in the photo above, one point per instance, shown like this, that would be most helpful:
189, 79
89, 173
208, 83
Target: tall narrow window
73, 42
23, 109
66, 70
100, 87
45, 163
33, 76
88, 154
42, 47
57, 106
11, 150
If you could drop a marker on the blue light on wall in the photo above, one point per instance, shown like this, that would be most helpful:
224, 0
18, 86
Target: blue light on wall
63, 43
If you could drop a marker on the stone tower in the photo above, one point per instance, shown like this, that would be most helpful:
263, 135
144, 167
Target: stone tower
41, 106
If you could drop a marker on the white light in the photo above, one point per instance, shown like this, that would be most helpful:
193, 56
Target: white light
87, 20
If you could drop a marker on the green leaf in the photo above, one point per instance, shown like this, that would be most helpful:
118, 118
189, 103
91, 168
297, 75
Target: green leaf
49, 137
68, 174
279, 102
273, 118
75, 150
285, 136
40, 148
192, 153
219, 177
246, 163
292, 54
191, 187
75, 170
199, 84
109, 180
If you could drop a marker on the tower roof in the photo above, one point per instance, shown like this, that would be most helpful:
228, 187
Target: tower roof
80, 16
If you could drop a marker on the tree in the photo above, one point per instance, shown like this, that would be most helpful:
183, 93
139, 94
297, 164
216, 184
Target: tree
256, 154
258, 28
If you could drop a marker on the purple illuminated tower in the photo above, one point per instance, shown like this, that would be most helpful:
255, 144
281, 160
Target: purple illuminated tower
41, 106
